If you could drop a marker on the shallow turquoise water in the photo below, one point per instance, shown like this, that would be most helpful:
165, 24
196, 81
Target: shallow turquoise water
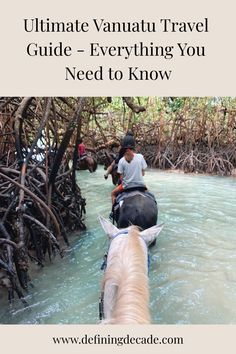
193, 265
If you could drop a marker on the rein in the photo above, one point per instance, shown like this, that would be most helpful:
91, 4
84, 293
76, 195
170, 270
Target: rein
121, 232
101, 306
104, 263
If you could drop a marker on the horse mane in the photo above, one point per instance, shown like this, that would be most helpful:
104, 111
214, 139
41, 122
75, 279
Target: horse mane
127, 270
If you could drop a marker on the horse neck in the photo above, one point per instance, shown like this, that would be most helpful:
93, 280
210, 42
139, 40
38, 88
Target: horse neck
129, 272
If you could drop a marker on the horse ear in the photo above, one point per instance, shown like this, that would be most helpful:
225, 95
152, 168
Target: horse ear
150, 234
108, 227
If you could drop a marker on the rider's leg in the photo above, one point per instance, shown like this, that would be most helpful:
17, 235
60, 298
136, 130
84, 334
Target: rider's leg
115, 192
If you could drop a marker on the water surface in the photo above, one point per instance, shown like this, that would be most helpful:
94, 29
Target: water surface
193, 265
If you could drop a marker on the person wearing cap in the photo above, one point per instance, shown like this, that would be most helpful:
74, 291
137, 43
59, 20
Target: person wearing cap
131, 167
128, 140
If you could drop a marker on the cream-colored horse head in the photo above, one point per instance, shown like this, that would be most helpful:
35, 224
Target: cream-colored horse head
148, 235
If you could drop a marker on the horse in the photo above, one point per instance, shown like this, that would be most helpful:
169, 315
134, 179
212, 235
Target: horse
109, 159
125, 291
87, 163
136, 207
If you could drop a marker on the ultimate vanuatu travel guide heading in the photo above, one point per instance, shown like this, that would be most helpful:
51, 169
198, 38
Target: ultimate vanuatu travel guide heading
98, 50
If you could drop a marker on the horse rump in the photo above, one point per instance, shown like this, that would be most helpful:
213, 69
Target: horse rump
136, 208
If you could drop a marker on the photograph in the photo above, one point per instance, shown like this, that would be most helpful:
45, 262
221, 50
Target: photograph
117, 210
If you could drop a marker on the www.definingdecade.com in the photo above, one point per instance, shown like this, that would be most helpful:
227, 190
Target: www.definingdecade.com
118, 340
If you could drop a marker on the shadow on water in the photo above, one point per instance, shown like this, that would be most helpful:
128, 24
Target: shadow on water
193, 265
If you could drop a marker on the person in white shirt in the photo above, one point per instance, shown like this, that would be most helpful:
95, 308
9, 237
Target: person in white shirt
131, 167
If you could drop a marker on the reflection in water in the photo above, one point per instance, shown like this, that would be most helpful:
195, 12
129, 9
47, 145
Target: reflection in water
193, 265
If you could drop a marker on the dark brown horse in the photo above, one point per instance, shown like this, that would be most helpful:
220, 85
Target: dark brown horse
87, 163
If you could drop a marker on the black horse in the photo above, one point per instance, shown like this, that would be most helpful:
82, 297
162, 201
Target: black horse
137, 208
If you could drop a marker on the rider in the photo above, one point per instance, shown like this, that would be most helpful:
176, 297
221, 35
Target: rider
81, 148
131, 167
127, 140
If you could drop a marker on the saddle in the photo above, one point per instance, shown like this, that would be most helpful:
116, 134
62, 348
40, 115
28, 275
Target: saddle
83, 157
